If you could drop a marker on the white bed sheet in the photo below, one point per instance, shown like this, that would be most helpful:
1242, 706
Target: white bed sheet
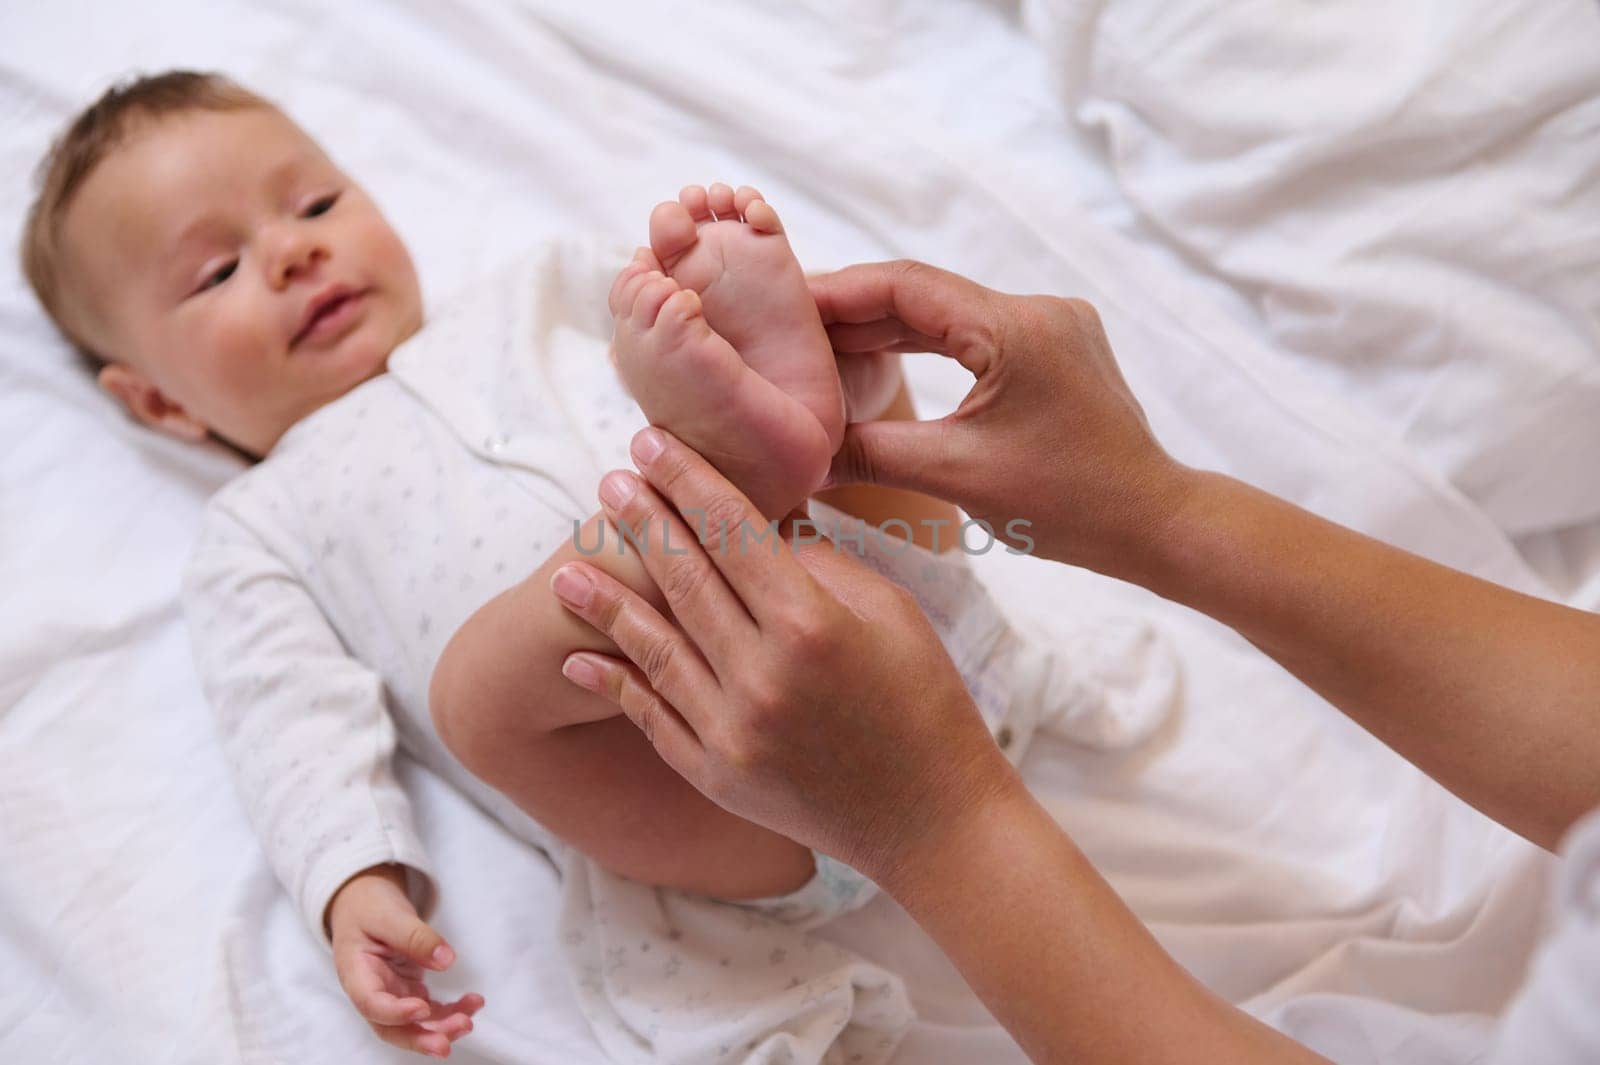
1404, 198
1286, 857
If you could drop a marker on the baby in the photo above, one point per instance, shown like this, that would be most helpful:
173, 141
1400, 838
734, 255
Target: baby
381, 575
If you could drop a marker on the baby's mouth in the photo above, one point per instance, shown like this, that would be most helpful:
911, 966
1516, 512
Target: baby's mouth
330, 316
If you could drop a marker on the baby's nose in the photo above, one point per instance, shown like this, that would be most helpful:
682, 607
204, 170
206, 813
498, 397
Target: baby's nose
296, 255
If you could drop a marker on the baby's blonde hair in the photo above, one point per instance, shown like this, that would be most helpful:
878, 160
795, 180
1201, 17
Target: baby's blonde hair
81, 147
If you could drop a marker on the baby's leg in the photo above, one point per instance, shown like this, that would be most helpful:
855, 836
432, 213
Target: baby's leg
570, 761
498, 698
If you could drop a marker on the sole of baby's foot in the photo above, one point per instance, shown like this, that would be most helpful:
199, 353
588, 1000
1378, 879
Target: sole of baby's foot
729, 247
690, 381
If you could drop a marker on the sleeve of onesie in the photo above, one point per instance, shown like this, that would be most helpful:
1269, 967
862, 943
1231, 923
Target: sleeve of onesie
304, 726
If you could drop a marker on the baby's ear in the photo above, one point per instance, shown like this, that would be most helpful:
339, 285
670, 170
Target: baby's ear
149, 404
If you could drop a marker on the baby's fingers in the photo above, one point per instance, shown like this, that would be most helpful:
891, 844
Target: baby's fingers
468, 1004
452, 1027
412, 1037
455, 1018
367, 980
380, 1007
444, 1025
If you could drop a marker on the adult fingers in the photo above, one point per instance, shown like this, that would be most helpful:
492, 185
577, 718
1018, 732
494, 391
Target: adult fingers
696, 593
664, 727
918, 455
750, 554
885, 334
666, 695
957, 317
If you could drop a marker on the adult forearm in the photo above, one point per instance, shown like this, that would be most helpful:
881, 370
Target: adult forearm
1056, 955
1490, 692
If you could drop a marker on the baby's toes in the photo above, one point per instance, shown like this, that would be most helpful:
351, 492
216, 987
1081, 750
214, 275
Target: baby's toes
626, 287
680, 322
760, 216
690, 349
693, 198
672, 232
744, 197
655, 291
720, 198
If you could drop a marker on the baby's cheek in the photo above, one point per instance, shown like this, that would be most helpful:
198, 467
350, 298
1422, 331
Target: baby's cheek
385, 251
399, 277
231, 339
240, 346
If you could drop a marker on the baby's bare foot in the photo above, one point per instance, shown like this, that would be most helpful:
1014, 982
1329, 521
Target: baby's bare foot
690, 381
729, 247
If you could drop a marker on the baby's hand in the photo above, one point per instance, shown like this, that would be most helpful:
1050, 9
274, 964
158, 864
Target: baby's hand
380, 949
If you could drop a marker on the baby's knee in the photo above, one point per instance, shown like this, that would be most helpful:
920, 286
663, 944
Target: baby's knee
498, 685
449, 702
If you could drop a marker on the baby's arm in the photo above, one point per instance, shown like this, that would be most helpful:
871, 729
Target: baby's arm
307, 734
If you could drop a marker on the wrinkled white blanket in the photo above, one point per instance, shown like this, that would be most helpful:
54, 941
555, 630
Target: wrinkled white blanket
1283, 855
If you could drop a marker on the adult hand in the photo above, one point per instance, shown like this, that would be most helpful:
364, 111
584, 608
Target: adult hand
806, 693
795, 687
1049, 434
1489, 692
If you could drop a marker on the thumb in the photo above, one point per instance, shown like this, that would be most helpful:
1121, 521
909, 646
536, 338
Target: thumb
400, 929
919, 455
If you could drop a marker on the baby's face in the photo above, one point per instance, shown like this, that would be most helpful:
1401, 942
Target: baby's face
237, 276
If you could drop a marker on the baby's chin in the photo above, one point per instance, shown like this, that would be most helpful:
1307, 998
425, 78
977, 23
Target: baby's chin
361, 356
362, 365
320, 377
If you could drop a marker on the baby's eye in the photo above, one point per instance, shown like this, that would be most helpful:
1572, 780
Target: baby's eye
221, 274
322, 206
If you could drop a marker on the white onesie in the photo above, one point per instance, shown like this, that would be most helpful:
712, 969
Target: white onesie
328, 578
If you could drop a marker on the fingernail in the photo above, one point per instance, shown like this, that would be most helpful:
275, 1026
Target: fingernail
443, 956
581, 672
647, 444
616, 489
572, 586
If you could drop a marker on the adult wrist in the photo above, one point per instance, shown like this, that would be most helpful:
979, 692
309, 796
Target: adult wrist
943, 853
1161, 542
